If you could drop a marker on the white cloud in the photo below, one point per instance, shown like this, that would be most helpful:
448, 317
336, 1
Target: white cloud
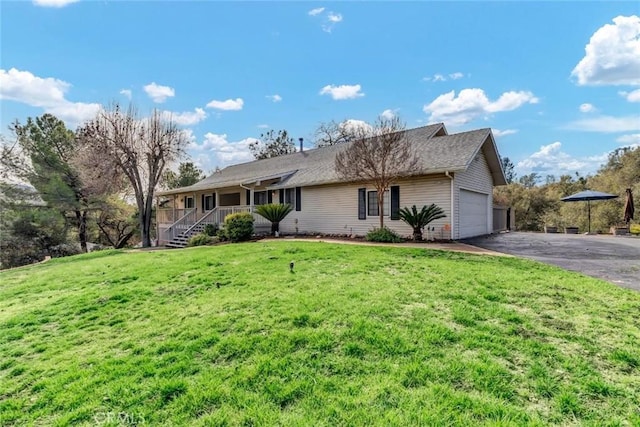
442, 78
159, 93
329, 19
316, 11
228, 105
606, 124
263, 126
53, 3
222, 152
186, 118
127, 93
46, 93
473, 103
334, 17
275, 98
354, 126
342, 91
550, 159
632, 139
587, 108
612, 56
388, 114
633, 96
499, 133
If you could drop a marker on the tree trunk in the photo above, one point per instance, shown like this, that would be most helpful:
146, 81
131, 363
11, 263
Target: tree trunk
81, 217
145, 222
417, 234
275, 228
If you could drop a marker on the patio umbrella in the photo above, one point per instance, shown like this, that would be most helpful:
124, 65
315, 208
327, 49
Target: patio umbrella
588, 196
628, 207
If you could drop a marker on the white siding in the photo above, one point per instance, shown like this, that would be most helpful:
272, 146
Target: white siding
333, 209
476, 178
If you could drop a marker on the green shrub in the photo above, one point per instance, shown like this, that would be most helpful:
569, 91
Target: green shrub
201, 239
384, 235
634, 228
238, 227
211, 229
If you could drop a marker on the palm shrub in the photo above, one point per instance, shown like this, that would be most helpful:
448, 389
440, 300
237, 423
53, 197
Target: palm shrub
419, 220
274, 212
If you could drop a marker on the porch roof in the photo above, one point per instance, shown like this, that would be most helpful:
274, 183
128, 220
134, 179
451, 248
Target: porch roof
438, 152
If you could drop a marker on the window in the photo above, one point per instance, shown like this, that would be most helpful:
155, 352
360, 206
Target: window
232, 199
290, 196
260, 198
208, 202
188, 203
372, 203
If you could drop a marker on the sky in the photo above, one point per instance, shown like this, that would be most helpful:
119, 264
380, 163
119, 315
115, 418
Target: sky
558, 82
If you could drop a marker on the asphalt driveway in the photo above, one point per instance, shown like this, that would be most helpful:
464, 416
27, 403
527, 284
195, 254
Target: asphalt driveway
612, 258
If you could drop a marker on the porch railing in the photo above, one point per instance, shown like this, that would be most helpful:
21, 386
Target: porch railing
179, 226
170, 215
190, 220
223, 211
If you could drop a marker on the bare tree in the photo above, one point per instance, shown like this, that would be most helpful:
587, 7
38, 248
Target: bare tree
332, 133
140, 149
379, 154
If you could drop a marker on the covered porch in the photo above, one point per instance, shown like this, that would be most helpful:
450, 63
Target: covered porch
181, 214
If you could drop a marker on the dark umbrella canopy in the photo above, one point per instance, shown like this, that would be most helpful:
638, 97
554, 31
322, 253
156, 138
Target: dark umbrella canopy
588, 196
628, 207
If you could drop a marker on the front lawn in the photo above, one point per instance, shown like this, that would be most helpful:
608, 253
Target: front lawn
355, 335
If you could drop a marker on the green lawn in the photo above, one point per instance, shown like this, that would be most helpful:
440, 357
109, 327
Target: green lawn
356, 335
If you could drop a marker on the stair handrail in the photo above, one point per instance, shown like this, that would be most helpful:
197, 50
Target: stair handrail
171, 228
198, 222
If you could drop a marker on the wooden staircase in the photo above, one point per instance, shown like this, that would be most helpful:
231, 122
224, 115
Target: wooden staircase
181, 240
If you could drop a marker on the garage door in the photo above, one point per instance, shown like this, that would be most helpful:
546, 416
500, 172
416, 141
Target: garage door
473, 213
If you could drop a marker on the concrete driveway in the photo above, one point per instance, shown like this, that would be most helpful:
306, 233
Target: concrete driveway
612, 258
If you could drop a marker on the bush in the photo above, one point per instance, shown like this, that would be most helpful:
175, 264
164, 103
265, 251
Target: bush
64, 249
634, 228
201, 239
211, 229
418, 220
274, 212
384, 235
238, 227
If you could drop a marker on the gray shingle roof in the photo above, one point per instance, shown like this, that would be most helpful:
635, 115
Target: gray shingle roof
438, 152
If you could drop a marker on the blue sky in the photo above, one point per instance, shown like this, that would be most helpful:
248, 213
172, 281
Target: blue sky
559, 82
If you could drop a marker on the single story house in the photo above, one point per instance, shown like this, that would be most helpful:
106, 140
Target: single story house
457, 172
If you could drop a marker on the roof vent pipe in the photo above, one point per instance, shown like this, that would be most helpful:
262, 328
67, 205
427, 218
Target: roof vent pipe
301, 141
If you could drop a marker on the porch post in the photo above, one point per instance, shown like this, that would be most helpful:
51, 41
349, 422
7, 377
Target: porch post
157, 222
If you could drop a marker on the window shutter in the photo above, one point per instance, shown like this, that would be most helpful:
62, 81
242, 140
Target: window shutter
202, 204
269, 196
248, 197
395, 202
281, 196
362, 203
298, 199
213, 204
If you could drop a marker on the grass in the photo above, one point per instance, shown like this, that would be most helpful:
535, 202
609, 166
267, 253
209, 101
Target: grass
355, 335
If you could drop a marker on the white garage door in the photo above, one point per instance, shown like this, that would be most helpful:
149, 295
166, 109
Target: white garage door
473, 213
